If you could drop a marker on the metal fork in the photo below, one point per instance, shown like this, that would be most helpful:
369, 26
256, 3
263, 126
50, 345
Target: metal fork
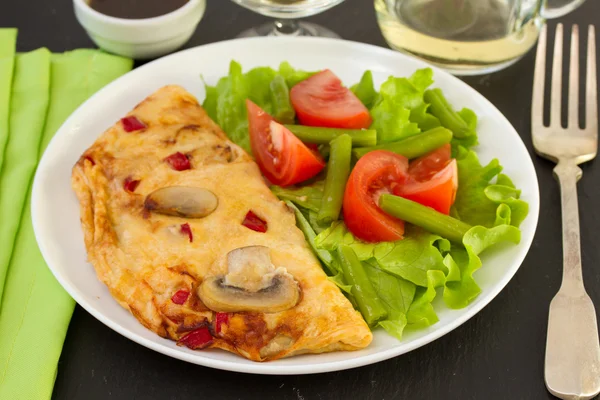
572, 367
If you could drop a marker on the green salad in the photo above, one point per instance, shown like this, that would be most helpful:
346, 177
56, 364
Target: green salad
384, 183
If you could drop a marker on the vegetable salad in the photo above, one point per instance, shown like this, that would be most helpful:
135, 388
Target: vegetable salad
384, 184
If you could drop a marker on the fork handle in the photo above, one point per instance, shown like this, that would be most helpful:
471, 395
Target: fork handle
572, 346
568, 173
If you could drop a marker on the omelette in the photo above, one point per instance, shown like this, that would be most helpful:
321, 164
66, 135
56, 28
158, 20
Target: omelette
183, 230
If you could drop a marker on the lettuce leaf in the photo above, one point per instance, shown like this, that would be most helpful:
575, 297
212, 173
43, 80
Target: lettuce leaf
293, 76
481, 202
210, 101
229, 107
314, 223
510, 205
421, 79
395, 293
337, 276
328, 261
410, 258
470, 118
338, 279
365, 90
416, 266
459, 286
504, 180
400, 110
308, 196
258, 81
392, 122
423, 119
462, 288
391, 112
338, 234
225, 103
310, 235
472, 205
421, 313
414, 256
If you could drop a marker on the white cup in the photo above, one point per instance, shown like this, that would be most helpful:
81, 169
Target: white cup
140, 38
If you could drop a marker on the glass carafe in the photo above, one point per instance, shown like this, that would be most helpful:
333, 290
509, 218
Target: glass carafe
467, 37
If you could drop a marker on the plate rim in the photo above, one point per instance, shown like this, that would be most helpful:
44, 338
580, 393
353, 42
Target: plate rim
272, 368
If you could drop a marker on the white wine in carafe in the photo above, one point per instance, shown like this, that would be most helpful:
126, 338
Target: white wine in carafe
462, 36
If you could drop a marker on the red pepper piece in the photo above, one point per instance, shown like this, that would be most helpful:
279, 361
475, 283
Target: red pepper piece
220, 319
178, 161
90, 159
180, 296
198, 339
132, 124
254, 222
187, 230
130, 184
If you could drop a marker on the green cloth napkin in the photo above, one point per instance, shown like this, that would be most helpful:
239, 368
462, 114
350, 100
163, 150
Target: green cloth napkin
29, 102
8, 41
35, 310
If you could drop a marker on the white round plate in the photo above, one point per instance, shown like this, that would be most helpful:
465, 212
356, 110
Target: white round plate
55, 210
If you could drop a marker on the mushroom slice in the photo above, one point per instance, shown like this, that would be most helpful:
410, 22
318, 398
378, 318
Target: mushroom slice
182, 201
251, 284
278, 344
281, 295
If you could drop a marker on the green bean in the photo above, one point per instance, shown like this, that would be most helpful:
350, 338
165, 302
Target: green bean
425, 217
312, 220
365, 295
310, 235
414, 146
280, 97
338, 170
312, 134
364, 90
449, 118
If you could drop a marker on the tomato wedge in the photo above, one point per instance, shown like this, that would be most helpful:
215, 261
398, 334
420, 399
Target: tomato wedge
433, 180
282, 157
375, 173
321, 100
424, 167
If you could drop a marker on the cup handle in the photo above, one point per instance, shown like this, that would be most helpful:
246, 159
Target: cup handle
557, 8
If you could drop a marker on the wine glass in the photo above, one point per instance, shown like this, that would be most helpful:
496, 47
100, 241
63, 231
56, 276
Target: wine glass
286, 13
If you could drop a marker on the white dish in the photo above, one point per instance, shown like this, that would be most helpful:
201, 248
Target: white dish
140, 38
55, 210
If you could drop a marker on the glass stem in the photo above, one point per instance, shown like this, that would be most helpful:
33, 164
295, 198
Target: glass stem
286, 27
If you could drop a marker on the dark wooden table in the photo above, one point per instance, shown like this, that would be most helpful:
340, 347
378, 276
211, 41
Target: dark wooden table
498, 354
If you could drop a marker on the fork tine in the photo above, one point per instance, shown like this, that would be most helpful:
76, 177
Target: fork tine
591, 97
556, 91
574, 80
537, 100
